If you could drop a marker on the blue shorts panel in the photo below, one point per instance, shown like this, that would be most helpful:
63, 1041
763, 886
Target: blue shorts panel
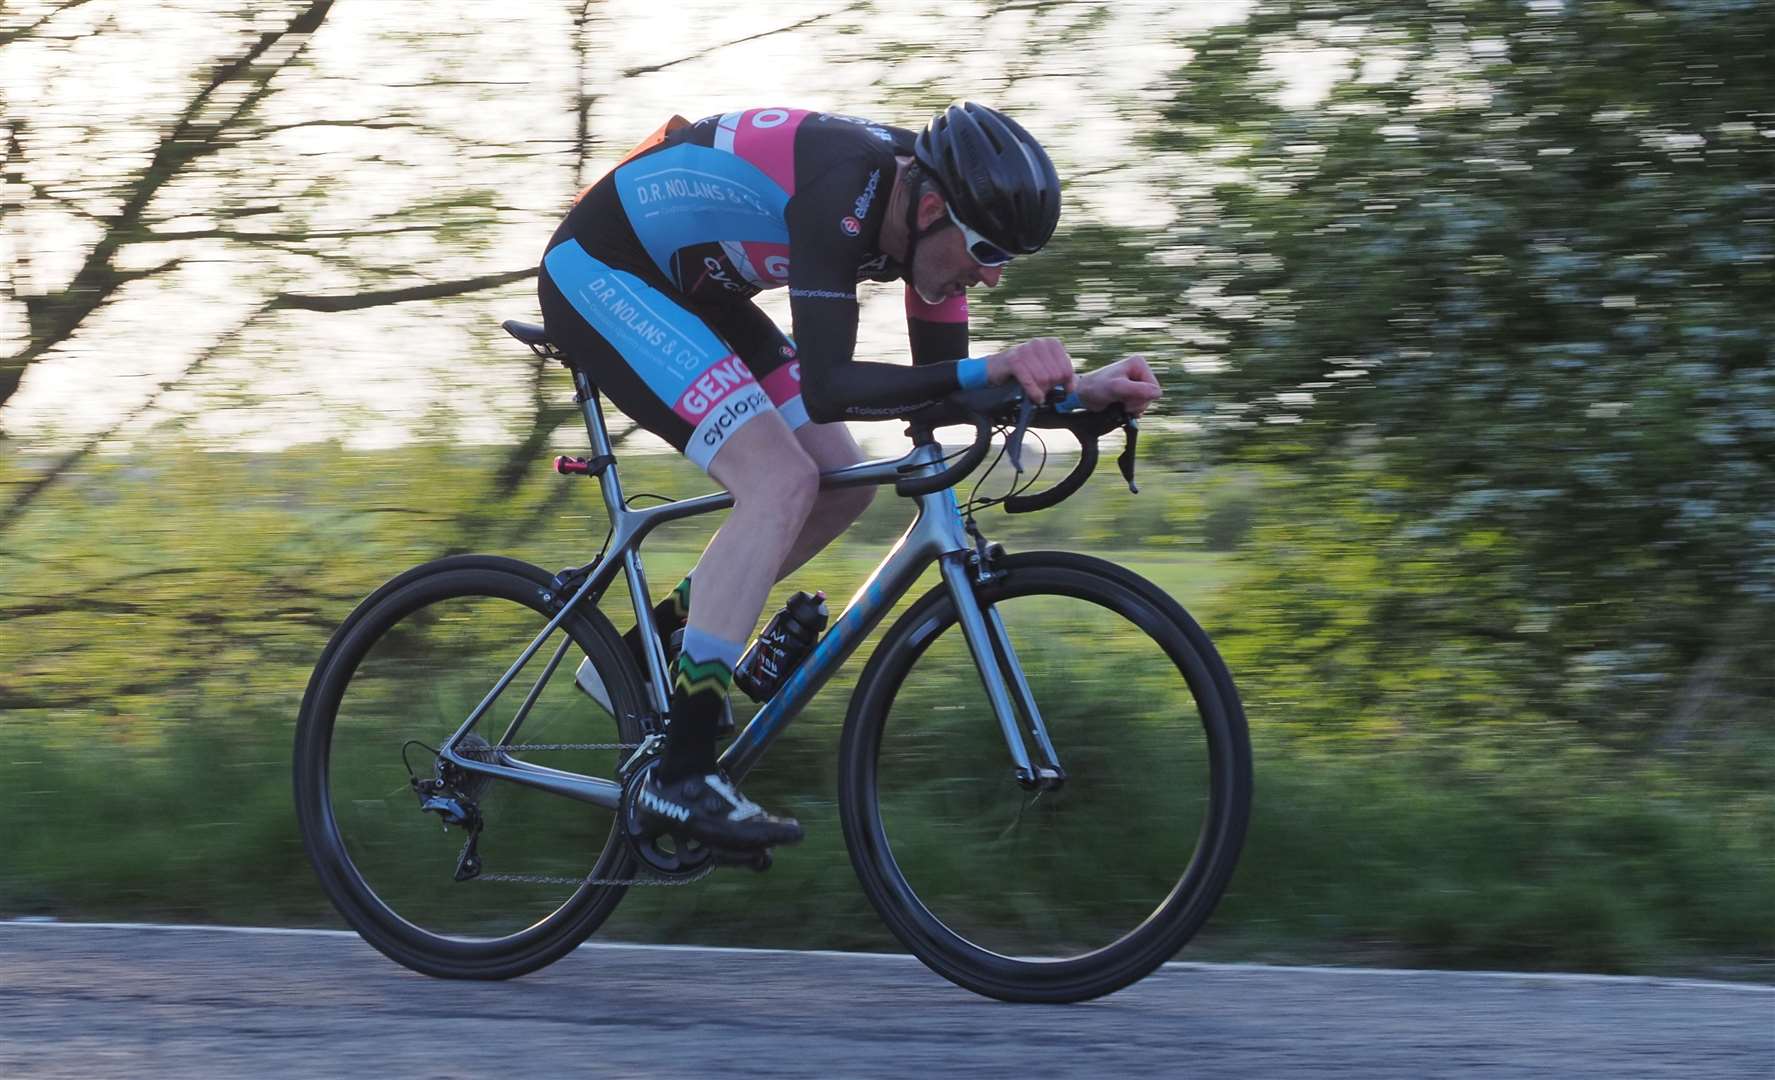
699, 391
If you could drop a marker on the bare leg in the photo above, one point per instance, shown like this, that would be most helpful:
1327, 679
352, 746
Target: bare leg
774, 483
831, 447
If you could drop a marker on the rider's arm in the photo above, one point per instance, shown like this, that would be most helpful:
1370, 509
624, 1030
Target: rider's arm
937, 332
823, 261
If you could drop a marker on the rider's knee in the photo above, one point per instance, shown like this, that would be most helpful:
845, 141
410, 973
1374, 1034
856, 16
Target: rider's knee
801, 485
789, 487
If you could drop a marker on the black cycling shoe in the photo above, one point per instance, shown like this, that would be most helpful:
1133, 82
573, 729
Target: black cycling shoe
711, 811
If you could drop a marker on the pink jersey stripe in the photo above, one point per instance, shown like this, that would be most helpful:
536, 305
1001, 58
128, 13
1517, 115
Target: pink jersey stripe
770, 261
784, 384
952, 310
766, 138
713, 387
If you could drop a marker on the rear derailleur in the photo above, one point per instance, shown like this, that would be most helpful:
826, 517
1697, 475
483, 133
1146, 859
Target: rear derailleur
451, 794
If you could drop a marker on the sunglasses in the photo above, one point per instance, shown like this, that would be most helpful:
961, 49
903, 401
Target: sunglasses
980, 249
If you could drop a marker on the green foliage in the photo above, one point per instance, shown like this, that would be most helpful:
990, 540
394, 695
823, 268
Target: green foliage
1502, 296
1567, 860
162, 612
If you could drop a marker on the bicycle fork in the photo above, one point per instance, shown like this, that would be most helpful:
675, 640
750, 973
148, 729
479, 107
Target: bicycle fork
1004, 681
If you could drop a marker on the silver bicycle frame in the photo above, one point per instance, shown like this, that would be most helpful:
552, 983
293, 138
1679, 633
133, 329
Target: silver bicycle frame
936, 535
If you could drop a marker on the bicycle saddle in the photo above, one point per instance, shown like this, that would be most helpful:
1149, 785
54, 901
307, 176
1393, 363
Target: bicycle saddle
529, 333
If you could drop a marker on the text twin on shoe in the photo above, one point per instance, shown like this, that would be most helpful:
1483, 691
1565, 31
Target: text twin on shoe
707, 808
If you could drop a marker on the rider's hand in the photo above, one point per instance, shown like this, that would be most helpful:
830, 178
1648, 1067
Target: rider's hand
1038, 365
1128, 381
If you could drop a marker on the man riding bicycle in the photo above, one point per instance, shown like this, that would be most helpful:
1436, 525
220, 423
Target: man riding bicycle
647, 286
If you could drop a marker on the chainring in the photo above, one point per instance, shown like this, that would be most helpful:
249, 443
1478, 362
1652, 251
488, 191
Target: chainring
683, 858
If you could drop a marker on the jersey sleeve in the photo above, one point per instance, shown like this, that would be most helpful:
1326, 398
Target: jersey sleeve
936, 332
827, 242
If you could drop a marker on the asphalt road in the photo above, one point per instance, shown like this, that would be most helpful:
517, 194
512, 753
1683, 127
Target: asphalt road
87, 1002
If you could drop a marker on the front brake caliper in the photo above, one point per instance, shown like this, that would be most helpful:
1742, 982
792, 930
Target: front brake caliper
985, 554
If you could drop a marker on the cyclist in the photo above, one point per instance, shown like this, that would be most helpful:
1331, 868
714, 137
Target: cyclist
647, 284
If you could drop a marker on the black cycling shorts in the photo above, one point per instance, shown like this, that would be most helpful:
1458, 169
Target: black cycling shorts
692, 373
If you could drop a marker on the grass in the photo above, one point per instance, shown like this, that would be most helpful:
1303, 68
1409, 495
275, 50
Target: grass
158, 617
1395, 859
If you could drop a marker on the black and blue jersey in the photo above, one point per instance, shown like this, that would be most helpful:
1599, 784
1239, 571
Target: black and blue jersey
660, 259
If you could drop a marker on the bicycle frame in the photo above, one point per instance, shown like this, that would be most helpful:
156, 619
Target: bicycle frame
936, 535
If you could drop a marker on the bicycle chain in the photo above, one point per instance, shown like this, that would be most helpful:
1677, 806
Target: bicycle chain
545, 879
489, 751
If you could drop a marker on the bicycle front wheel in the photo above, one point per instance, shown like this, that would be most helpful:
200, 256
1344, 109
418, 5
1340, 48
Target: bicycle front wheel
1076, 891
400, 677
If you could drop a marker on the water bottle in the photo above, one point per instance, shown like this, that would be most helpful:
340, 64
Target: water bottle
786, 641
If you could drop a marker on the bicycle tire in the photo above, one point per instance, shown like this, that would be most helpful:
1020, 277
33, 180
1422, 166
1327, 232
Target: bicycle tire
1225, 807
377, 921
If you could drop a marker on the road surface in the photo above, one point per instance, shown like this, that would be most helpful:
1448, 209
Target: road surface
90, 1001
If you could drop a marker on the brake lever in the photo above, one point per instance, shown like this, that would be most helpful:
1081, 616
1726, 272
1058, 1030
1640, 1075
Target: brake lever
1014, 446
1125, 461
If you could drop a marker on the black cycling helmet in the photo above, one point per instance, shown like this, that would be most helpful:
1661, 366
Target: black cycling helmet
998, 180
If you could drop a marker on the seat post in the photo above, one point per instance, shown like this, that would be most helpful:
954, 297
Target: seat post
587, 395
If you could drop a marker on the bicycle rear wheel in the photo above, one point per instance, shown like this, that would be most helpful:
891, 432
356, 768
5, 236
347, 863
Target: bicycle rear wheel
1075, 892
399, 678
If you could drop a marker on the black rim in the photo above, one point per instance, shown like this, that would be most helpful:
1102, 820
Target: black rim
1190, 901
345, 884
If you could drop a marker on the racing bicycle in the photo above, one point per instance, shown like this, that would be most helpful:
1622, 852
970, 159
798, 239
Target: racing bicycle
1044, 773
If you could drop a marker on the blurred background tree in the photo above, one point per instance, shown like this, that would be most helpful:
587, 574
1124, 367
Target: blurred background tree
1499, 302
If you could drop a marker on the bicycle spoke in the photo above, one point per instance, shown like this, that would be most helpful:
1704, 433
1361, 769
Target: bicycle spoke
511, 731
535, 848
1060, 888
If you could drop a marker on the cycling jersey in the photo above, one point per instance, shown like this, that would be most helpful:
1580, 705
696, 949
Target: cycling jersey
648, 281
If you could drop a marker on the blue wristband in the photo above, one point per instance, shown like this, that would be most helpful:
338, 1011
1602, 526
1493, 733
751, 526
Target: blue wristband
1069, 403
971, 372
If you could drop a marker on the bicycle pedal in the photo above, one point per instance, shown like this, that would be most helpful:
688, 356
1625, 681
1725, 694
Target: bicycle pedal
759, 860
